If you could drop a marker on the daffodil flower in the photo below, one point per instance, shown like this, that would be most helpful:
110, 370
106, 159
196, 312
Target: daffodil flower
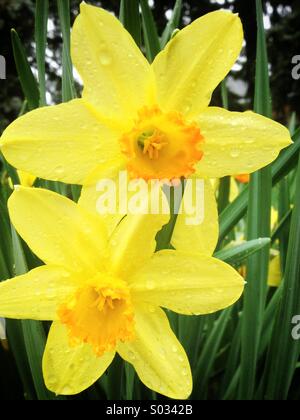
153, 119
105, 293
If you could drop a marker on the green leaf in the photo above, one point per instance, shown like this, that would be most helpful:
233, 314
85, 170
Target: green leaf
131, 19
286, 219
16, 341
206, 361
172, 24
41, 20
224, 94
237, 255
68, 88
5, 244
27, 79
283, 349
152, 42
224, 193
259, 221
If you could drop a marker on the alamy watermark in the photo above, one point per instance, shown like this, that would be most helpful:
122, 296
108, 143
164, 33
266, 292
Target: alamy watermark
2, 67
296, 68
296, 329
125, 196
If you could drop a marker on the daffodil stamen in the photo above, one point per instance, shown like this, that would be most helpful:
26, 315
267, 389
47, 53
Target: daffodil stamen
152, 142
99, 314
162, 145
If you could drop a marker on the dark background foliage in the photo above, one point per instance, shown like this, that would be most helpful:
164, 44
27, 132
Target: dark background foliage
283, 41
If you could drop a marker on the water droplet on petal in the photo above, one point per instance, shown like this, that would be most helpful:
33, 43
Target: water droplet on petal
105, 58
59, 170
235, 153
150, 285
66, 390
185, 372
131, 355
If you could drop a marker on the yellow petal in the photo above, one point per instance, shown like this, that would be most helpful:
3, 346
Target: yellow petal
238, 142
157, 356
102, 188
197, 227
275, 274
187, 283
26, 179
196, 60
62, 143
37, 294
69, 370
133, 242
117, 77
57, 230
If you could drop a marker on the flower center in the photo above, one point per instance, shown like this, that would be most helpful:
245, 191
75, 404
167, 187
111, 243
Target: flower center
162, 146
100, 314
151, 142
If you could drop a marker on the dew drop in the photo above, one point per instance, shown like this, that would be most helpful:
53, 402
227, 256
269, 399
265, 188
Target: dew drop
51, 380
234, 153
66, 390
185, 372
105, 58
59, 170
151, 309
132, 356
150, 285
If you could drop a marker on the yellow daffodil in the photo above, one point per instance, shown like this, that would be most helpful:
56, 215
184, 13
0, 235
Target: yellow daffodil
153, 119
105, 294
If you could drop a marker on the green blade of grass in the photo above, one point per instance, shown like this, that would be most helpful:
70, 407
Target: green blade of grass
6, 243
224, 188
237, 255
152, 42
206, 361
286, 219
224, 194
27, 79
232, 362
131, 19
284, 350
259, 220
172, 24
68, 88
41, 20
284, 207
